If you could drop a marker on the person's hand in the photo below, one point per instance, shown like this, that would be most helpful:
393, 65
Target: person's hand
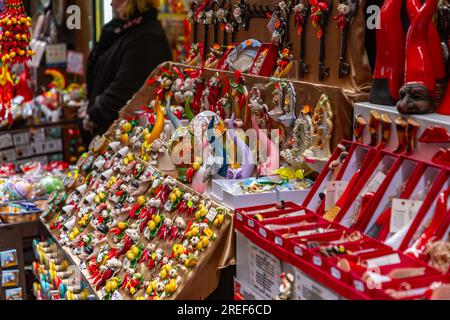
88, 125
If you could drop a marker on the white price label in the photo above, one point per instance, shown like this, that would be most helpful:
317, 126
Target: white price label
263, 232
251, 223
212, 214
359, 286
239, 217
317, 261
116, 296
335, 273
335, 189
279, 241
298, 251
386, 260
403, 212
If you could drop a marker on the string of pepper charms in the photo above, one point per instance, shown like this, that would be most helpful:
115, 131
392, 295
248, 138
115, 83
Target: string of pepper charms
15, 48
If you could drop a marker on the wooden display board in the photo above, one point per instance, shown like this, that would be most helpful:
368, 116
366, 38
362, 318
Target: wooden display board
356, 85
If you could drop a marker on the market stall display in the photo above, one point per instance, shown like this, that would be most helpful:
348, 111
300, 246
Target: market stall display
269, 144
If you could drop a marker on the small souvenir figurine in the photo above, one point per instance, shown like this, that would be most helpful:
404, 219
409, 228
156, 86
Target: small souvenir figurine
106, 272
245, 169
132, 282
111, 286
131, 236
164, 231
240, 96
322, 130
289, 103
284, 63
178, 229
214, 56
258, 108
285, 290
194, 55
133, 256
301, 140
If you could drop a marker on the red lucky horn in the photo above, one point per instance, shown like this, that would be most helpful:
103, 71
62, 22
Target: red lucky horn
433, 39
419, 67
390, 61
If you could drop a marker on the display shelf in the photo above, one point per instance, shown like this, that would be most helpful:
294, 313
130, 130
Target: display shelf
423, 151
75, 262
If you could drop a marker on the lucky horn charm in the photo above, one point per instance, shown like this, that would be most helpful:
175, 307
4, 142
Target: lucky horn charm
419, 91
248, 162
175, 121
218, 149
159, 125
390, 63
209, 166
15, 40
272, 163
433, 41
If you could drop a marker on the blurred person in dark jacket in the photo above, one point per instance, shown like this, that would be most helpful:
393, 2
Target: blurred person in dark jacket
130, 47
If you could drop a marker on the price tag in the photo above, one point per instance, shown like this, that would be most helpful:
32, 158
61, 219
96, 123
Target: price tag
239, 217
272, 23
75, 62
359, 285
212, 214
38, 48
298, 251
335, 189
56, 55
336, 273
263, 232
403, 212
278, 241
116, 296
317, 261
386, 260
251, 223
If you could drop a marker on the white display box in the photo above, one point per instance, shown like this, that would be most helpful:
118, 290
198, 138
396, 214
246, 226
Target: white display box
8, 155
21, 138
222, 191
6, 141
52, 146
423, 151
24, 151
38, 147
37, 135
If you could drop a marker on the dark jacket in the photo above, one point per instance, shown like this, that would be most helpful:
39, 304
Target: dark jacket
119, 66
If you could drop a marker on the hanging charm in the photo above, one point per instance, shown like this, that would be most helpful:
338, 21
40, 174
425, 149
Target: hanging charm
15, 40
301, 15
347, 10
319, 18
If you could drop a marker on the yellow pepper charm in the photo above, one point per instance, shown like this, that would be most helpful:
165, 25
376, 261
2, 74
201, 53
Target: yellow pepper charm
159, 125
